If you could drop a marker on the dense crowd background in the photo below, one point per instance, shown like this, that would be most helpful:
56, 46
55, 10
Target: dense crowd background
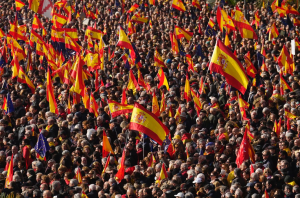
203, 162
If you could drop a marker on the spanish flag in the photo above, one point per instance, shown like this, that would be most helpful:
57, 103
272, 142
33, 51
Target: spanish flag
190, 62
227, 42
93, 105
152, 161
10, 173
121, 171
273, 32
19, 5
158, 61
131, 28
152, 2
266, 194
178, 5
86, 99
243, 25
107, 162
36, 23
34, 5
138, 19
4, 105
296, 22
275, 128
201, 86
117, 109
71, 44
16, 66
141, 80
23, 78
283, 85
162, 79
163, 105
78, 86
59, 20
132, 83
224, 62
187, 90
250, 69
123, 40
174, 43
50, 94
181, 33
197, 102
78, 176
257, 19
163, 174
106, 146
196, 4
146, 122
284, 57
155, 106
292, 10
94, 33
224, 20
2, 34
133, 8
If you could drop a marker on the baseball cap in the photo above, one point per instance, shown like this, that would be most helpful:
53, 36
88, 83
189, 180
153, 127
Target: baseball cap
197, 180
181, 195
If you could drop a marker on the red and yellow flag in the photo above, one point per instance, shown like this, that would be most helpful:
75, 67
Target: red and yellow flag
123, 40
158, 61
78, 86
187, 90
283, 85
266, 194
224, 20
50, 94
243, 25
133, 8
59, 20
196, 4
124, 100
273, 32
138, 19
19, 5
155, 106
162, 79
245, 152
224, 62
178, 5
163, 174
106, 147
250, 69
146, 122
10, 173
132, 83
197, 102
131, 28
78, 176
163, 104
106, 163
141, 80
94, 33
284, 57
121, 171
23, 78
93, 105
117, 109
181, 33
174, 43
71, 44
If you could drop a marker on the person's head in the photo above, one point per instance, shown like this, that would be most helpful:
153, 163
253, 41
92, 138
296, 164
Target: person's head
47, 194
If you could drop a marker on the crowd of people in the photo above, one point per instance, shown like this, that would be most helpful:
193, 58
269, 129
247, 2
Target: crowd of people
205, 143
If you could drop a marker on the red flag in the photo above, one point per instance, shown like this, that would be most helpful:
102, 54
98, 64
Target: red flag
245, 151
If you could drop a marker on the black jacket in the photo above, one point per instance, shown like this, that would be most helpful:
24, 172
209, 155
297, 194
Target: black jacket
93, 194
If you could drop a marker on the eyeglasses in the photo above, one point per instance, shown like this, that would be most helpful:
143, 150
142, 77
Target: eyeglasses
176, 147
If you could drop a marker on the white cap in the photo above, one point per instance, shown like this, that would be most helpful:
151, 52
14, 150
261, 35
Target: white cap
201, 175
197, 181
181, 195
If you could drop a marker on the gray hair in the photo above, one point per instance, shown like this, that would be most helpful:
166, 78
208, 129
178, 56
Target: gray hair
92, 187
55, 184
74, 182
